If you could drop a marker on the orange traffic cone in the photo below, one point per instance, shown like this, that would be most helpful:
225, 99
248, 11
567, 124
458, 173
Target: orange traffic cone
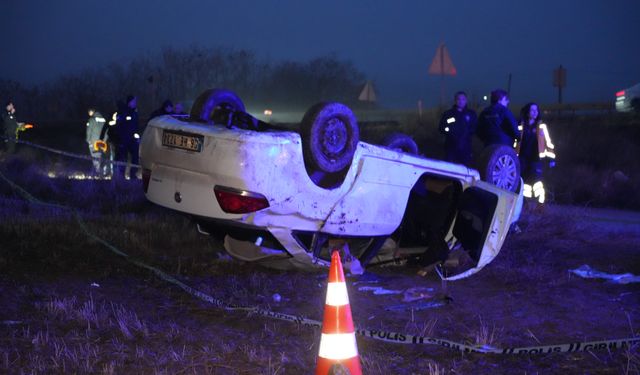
338, 350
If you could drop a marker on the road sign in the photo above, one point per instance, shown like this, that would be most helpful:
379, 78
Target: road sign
560, 80
559, 77
368, 94
442, 64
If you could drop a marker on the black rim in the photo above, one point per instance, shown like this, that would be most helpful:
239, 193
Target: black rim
334, 137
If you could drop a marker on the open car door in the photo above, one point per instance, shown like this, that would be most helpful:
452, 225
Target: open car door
482, 222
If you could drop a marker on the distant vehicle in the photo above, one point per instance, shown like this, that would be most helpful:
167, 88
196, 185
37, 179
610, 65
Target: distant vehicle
284, 198
628, 100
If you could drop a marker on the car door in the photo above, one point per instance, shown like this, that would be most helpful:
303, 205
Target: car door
482, 222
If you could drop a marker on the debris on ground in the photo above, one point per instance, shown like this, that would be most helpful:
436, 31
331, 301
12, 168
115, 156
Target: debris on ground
378, 290
224, 256
414, 294
590, 273
424, 271
367, 277
416, 306
11, 322
619, 176
350, 262
354, 266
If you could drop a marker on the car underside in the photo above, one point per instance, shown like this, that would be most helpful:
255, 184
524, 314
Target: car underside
275, 199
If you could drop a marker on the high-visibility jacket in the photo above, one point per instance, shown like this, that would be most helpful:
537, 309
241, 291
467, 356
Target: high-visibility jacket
546, 148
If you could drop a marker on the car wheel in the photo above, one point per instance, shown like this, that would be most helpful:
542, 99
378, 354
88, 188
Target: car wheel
330, 136
401, 142
212, 100
500, 166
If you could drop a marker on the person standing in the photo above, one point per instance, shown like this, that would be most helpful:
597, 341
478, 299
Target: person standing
532, 148
178, 110
10, 127
496, 123
128, 137
165, 109
110, 135
95, 125
458, 124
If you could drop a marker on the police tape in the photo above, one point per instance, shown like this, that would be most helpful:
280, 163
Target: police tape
376, 334
584, 346
69, 154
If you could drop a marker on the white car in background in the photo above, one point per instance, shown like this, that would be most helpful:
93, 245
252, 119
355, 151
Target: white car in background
628, 100
285, 198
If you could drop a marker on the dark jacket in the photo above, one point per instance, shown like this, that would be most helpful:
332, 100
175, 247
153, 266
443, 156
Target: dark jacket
111, 131
127, 125
9, 125
496, 125
528, 150
108, 133
162, 110
458, 128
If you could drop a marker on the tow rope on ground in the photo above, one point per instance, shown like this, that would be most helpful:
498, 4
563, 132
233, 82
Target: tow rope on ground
380, 335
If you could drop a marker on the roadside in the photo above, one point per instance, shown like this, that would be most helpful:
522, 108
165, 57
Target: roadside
79, 308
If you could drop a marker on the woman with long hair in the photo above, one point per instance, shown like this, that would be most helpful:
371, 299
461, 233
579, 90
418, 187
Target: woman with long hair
533, 147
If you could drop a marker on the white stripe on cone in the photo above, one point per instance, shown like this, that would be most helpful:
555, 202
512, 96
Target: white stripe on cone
337, 294
338, 346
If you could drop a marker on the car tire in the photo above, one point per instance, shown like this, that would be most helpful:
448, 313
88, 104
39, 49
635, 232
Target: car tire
330, 136
205, 105
401, 142
499, 165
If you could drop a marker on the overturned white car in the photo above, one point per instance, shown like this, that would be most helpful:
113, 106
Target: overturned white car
285, 198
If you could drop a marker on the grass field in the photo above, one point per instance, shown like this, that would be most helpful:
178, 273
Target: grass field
71, 305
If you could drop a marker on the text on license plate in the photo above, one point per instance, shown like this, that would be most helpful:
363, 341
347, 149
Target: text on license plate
182, 141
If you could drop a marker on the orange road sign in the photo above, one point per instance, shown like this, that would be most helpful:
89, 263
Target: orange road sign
442, 64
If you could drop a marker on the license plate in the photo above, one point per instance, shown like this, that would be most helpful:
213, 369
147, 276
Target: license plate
184, 141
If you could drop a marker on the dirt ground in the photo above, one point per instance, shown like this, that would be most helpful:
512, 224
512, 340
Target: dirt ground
71, 305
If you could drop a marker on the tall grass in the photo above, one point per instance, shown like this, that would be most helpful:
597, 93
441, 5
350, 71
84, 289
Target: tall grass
597, 164
598, 157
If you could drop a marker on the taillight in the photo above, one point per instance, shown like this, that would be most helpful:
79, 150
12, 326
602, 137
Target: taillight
146, 175
620, 93
234, 201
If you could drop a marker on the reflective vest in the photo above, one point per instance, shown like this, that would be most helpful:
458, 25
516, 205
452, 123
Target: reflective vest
546, 149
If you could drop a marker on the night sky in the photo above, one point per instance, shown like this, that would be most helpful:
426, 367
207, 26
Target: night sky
392, 42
